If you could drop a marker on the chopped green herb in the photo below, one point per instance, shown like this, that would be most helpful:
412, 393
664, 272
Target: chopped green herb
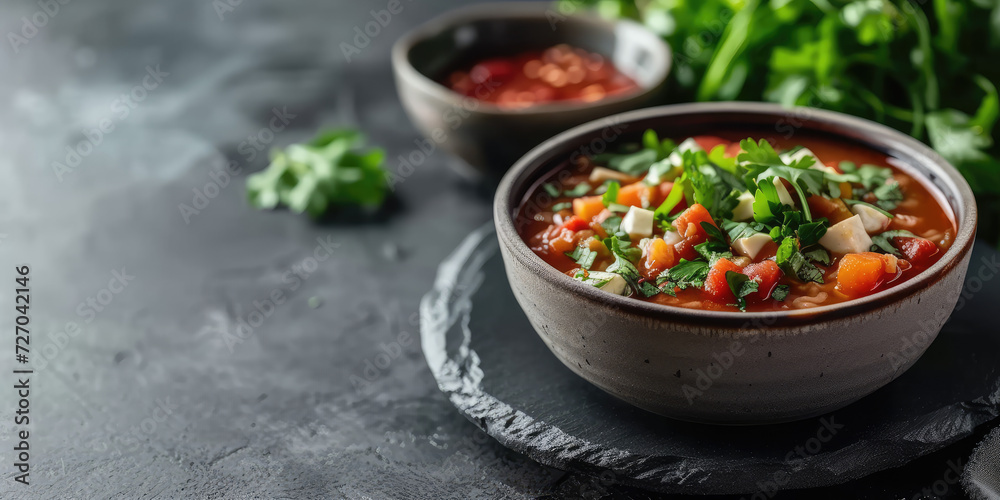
566, 205
818, 255
738, 230
578, 190
741, 286
583, 256
883, 242
551, 189
611, 195
612, 225
810, 232
623, 266
673, 198
779, 293
686, 274
888, 195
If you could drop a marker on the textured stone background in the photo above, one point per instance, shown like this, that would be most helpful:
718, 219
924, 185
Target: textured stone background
156, 395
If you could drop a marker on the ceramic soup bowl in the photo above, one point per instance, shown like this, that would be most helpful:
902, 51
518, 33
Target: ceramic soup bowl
734, 367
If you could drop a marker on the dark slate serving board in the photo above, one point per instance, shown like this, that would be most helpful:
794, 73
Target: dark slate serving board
498, 373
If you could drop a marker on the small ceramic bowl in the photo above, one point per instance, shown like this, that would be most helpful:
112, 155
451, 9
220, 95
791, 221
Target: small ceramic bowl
490, 138
733, 367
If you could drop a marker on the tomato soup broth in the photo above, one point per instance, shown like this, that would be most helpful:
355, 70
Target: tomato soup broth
573, 224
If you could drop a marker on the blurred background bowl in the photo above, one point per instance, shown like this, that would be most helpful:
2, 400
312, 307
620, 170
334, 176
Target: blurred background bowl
490, 138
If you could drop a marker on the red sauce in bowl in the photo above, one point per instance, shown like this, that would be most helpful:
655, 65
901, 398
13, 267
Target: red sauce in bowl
559, 73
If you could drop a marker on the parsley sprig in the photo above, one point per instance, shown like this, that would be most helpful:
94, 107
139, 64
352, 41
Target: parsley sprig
328, 171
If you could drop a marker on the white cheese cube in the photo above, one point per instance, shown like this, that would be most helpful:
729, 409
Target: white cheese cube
677, 157
873, 220
847, 236
601, 174
744, 210
751, 245
638, 223
783, 192
609, 282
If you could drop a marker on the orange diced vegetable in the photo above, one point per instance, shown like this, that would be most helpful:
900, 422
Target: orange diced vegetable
860, 274
637, 195
659, 257
588, 207
688, 225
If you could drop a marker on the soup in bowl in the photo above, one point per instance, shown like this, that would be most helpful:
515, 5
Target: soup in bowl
712, 262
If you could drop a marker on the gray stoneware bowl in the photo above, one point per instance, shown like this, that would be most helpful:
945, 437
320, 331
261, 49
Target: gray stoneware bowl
732, 367
489, 138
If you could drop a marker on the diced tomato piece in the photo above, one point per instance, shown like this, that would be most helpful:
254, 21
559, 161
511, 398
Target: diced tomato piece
575, 223
659, 257
707, 142
716, 285
588, 207
860, 274
637, 194
915, 250
835, 210
766, 273
562, 241
688, 225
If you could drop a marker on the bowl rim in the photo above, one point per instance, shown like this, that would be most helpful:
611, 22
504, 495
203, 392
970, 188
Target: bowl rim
875, 134
495, 11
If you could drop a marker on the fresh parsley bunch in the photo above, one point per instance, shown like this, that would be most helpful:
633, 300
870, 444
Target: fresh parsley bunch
327, 171
927, 68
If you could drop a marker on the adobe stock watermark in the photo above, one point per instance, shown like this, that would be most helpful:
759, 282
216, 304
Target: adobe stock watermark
541, 200
123, 442
374, 367
768, 488
940, 487
364, 34
88, 309
121, 107
911, 347
223, 7
220, 177
453, 118
236, 332
724, 360
31, 24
